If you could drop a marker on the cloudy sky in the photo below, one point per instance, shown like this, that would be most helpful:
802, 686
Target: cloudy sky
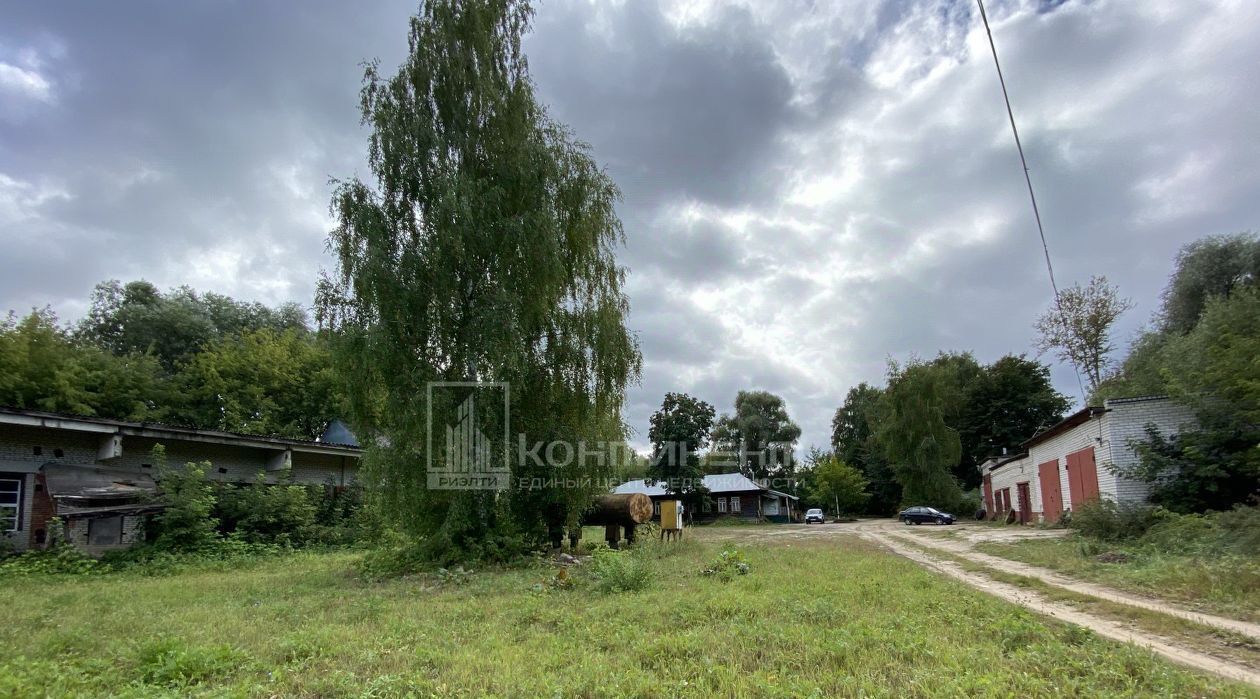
810, 188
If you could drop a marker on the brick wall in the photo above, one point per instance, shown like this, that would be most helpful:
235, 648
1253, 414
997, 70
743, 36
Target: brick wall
1009, 476
1125, 423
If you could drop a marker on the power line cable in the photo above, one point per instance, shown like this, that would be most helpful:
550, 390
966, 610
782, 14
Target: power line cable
1032, 197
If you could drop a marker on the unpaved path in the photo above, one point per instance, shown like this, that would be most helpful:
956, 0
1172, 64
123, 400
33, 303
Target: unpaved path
1093, 590
959, 540
1031, 600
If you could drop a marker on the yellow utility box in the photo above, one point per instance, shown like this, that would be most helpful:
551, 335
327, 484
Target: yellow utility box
671, 514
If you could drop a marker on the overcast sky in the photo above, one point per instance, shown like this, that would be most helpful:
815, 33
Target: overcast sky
810, 188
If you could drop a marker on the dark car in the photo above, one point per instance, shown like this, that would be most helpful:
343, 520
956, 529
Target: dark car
919, 515
815, 515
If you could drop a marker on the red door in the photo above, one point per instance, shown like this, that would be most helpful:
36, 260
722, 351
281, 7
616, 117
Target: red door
988, 495
1025, 502
1082, 476
1051, 491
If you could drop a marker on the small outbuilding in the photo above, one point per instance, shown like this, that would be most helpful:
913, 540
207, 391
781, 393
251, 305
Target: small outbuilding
730, 494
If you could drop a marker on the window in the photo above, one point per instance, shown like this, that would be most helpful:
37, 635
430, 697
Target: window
10, 504
656, 507
105, 531
734, 503
721, 504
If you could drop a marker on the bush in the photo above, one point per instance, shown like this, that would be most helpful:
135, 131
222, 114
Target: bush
619, 571
729, 563
187, 523
60, 559
271, 514
1104, 520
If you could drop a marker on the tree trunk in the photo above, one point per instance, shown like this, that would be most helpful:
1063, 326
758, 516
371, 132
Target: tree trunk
627, 509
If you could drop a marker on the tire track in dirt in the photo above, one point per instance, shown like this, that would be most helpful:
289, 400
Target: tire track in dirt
1050, 577
1035, 602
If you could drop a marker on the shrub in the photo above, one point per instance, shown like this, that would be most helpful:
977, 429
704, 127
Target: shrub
619, 571
187, 523
1105, 520
271, 514
730, 562
61, 559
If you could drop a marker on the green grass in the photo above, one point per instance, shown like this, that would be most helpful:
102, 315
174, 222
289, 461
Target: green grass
1229, 586
813, 618
1221, 643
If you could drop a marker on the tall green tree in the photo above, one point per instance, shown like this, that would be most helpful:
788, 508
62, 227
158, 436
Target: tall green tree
853, 442
1009, 401
1077, 327
679, 431
837, 486
1209, 267
759, 435
483, 252
137, 318
43, 367
260, 382
921, 447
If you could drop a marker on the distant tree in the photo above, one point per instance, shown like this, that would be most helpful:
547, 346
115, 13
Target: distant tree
1006, 403
759, 434
1208, 267
260, 382
837, 486
42, 367
911, 429
679, 430
853, 442
484, 252
137, 318
1078, 327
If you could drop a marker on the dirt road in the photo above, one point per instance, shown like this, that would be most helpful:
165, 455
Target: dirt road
919, 543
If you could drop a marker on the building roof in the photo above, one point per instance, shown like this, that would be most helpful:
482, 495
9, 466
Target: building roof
1077, 418
715, 483
82, 490
154, 430
338, 432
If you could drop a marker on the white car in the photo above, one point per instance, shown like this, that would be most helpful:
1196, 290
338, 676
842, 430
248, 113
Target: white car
814, 515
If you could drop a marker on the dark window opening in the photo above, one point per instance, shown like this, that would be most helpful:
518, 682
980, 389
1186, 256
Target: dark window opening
105, 531
223, 470
146, 465
41, 537
38, 450
58, 453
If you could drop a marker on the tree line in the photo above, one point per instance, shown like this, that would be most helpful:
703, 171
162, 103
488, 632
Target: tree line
180, 357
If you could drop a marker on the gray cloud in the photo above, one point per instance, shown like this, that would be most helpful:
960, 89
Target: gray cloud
810, 188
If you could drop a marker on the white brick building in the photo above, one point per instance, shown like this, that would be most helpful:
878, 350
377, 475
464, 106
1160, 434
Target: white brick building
97, 475
1072, 462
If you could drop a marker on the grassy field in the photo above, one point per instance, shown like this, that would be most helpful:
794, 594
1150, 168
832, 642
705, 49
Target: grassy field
811, 618
1226, 585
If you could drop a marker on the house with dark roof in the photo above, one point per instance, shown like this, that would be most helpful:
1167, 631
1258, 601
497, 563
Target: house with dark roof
1076, 460
98, 477
730, 494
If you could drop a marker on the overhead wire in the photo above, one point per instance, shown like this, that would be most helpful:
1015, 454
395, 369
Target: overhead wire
1032, 196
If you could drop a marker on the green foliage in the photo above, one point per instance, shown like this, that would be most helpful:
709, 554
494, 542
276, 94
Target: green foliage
187, 523
273, 514
137, 318
260, 382
759, 435
1105, 520
1077, 327
620, 571
43, 367
169, 662
837, 486
854, 442
58, 559
679, 430
1208, 268
912, 431
1198, 470
484, 252
728, 564
1007, 402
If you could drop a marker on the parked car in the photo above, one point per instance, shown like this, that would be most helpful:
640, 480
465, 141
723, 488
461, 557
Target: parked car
815, 515
919, 515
